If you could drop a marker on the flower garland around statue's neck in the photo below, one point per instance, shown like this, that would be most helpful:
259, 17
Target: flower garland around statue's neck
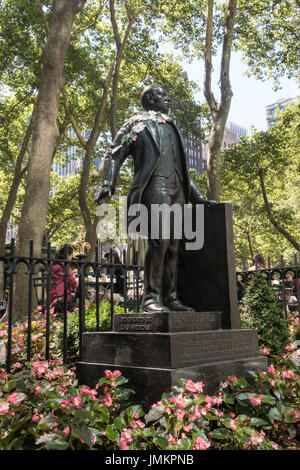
142, 120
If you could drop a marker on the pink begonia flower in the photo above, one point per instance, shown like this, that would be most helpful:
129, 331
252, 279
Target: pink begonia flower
35, 417
123, 445
295, 414
13, 398
4, 408
224, 384
77, 402
232, 378
108, 374
64, 403
159, 403
275, 425
201, 444
232, 424
266, 351
117, 373
125, 438
18, 365
288, 375
179, 401
193, 387
255, 439
180, 414
255, 401
137, 424
232, 415
107, 401
271, 370
275, 446
289, 347
136, 415
66, 431
188, 427
171, 439
39, 308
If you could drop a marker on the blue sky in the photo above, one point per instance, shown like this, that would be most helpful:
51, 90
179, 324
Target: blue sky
250, 96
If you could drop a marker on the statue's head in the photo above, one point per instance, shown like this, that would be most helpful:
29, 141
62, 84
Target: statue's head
155, 98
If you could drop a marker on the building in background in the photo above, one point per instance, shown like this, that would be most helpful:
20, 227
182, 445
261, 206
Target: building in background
11, 232
232, 136
272, 109
74, 163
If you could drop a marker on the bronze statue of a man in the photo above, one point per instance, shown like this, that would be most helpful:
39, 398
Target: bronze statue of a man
160, 177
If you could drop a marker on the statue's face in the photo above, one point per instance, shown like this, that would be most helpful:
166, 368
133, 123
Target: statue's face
159, 100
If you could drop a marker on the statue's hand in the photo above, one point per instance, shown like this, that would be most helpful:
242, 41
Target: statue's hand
208, 203
104, 192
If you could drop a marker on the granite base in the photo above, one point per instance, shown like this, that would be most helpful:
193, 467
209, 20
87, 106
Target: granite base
150, 383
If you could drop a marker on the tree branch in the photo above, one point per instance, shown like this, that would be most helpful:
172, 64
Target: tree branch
45, 21
72, 119
280, 229
114, 23
226, 92
90, 25
208, 59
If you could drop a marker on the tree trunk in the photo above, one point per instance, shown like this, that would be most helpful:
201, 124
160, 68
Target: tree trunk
214, 150
220, 111
45, 134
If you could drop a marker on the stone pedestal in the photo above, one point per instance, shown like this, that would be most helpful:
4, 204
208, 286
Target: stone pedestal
155, 350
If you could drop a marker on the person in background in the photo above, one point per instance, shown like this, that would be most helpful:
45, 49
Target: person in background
118, 275
258, 262
291, 283
57, 286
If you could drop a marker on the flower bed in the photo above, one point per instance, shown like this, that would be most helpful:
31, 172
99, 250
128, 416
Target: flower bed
42, 406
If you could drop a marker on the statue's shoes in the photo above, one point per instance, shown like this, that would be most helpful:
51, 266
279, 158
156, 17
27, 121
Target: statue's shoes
177, 306
150, 306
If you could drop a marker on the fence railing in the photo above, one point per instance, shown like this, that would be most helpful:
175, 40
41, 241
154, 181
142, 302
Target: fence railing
50, 290
284, 281
95, 281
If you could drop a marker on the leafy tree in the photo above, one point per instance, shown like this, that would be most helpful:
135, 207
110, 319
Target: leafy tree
260, 177
258, 29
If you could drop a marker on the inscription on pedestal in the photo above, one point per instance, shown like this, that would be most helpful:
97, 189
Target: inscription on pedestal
197, 349
134, 323
171, 322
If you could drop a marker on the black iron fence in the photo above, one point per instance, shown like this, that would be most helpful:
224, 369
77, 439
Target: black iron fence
95, 281
284, 281
50, 291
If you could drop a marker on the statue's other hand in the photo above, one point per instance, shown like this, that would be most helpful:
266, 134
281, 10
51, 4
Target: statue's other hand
102, 193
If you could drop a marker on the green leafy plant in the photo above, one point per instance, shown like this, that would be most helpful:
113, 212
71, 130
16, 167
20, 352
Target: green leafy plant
90, 325
262, 313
